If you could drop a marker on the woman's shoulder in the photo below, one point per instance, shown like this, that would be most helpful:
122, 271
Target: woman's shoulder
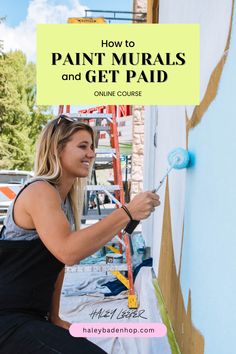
39, 189
39, 183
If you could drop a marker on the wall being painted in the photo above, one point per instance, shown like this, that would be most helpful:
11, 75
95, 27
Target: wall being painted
209, 247
193, 237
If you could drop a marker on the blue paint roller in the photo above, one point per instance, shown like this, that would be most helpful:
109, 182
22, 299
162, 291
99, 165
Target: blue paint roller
178, 159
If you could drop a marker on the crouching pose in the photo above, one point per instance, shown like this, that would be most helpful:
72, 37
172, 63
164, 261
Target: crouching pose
41, 235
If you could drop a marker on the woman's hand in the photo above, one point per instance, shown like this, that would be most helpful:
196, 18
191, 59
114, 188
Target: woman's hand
143, 204
60, 323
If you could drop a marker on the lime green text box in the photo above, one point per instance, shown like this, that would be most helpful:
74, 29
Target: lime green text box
148, 64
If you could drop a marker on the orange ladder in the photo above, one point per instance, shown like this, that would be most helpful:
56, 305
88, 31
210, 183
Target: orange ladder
110, 113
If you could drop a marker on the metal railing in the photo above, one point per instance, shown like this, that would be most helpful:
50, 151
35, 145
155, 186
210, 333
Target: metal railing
115, 13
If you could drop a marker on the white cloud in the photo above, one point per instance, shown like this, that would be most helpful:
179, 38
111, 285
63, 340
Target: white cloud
23, 36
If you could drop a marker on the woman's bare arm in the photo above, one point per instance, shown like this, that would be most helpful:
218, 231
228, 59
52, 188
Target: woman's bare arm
43, 205
55, 305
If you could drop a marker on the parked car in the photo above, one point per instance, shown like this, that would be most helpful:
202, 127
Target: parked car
11, 181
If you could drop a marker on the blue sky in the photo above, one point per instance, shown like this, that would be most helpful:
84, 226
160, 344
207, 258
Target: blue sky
22, 16
18, 31
16, 14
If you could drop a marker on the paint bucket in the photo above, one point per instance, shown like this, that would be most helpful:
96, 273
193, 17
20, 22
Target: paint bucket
115, 258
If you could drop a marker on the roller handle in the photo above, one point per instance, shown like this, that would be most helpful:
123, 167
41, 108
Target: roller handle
131, 226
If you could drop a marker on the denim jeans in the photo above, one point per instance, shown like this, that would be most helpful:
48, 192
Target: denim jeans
26, 334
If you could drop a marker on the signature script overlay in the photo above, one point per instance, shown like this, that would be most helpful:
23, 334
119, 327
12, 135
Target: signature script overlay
117, 313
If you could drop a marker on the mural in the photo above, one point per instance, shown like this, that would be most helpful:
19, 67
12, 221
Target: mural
192, 234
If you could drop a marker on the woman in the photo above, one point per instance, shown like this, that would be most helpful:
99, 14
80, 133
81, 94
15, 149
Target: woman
41, 235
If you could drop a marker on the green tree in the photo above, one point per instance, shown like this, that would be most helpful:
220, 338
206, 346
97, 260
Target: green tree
1, 41
20, 119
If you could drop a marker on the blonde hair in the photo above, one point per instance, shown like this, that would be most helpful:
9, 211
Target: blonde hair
52, 140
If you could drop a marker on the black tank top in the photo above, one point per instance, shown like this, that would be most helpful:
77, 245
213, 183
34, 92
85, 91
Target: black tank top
28, 272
